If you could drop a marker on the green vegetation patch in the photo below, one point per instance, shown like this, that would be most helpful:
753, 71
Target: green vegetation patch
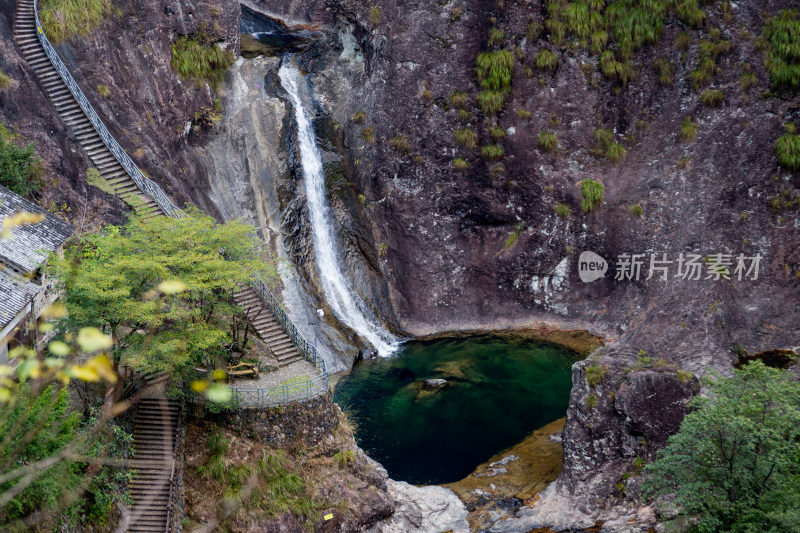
592, 194
466, 137
460, 164
197, 57
63, 19
781, 38
547, 141
495, 71
21, 169
787, 148
616, 29
733, 465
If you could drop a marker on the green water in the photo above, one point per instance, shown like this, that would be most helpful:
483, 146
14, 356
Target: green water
499, 390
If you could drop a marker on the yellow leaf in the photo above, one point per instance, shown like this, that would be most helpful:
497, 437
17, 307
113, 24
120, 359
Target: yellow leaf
58, 348
29, 368
63, 377
102, 366
5, 394
219, 375
44, 327
52, 362
92, 339
22, 219
219, 393
172, 286
21, 352
54, 310
84, 373
199, 385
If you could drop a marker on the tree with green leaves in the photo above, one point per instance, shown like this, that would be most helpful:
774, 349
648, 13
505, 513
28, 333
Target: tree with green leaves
20, 168
163, 289
734, 465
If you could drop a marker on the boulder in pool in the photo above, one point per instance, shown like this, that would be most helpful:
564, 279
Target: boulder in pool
435, 383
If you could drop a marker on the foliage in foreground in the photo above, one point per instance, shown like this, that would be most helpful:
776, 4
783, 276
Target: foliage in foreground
163, 289
734, 465
62, 19
39, 425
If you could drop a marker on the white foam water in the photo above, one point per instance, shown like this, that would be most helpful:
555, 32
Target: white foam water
345, 303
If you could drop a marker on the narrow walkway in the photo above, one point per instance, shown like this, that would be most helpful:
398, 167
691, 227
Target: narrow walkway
268, 328
155, 439
82, 130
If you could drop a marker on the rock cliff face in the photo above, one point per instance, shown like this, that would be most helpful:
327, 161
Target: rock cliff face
425, 245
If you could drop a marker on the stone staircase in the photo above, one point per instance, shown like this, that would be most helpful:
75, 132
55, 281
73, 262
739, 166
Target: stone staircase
71, 114
269, 329
155, 441
158, 420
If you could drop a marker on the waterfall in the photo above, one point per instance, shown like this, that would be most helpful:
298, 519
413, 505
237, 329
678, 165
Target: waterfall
345, 303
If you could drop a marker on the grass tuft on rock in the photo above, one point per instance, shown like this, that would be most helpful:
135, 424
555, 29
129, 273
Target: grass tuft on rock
198, 57
781, 38
466, 137
547, 141
546, 60
64, 19
493, 152
592, 194
787, 148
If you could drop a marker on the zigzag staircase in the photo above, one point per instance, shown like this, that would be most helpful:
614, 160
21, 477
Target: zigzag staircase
269, 329
157, 419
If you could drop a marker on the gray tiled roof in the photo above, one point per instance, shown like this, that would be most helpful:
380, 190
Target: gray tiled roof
28, 245
15, 293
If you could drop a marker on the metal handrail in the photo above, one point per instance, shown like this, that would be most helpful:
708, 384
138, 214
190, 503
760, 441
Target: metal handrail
146, 185
172, 473
151, 189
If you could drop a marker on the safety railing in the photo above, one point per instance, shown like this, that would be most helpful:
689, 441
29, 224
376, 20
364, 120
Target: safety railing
146, 185
249, 397
280, 394
308, 350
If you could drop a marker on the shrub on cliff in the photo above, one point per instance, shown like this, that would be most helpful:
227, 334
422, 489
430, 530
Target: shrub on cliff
20, 168
592, 194
734, 465
787, 148
197, 57
495, 71
62, 19
781, 41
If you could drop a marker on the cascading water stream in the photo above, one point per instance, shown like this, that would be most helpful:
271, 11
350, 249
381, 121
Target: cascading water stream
346, 305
